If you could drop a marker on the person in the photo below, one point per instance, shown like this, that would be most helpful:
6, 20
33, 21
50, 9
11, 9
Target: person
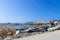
46, 27
52, 23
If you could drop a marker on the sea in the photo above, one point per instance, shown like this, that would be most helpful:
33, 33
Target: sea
19, 26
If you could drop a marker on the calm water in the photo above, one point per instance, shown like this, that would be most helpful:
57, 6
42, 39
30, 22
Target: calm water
17, 26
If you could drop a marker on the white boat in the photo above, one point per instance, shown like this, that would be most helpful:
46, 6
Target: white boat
17, 32
53, 28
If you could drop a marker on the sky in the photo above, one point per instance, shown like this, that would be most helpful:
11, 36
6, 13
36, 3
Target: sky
21, 11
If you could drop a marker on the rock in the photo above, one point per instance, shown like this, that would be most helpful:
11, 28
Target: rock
5, 31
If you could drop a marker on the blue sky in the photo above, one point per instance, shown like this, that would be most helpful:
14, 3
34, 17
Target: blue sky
29, 10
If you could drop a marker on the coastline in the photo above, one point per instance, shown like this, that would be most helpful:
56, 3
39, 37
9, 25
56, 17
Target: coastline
44, 36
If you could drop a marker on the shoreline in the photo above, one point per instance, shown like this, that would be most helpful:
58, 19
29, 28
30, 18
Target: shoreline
41, 36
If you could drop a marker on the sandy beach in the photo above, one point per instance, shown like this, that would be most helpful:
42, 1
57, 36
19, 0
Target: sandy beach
45, 36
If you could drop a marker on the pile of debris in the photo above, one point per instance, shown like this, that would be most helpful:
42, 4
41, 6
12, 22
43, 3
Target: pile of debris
5, 31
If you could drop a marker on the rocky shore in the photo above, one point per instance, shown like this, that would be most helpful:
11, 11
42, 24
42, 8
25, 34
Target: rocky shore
7, 33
